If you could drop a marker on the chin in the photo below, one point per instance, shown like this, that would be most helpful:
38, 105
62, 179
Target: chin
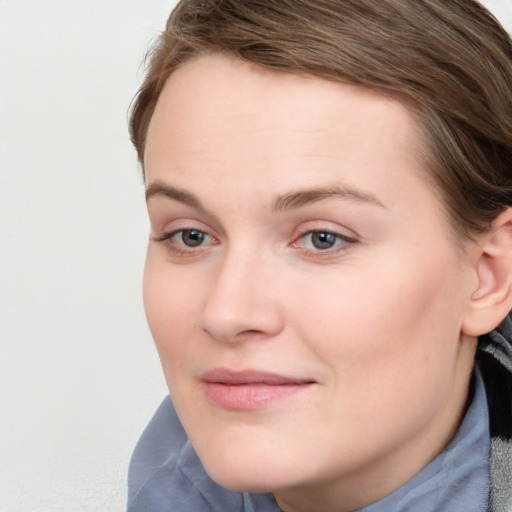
253, 476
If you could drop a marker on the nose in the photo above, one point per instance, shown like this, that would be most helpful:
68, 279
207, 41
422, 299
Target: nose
242, 303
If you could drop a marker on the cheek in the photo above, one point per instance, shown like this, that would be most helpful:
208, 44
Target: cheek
387, 342
385, 326
171, 303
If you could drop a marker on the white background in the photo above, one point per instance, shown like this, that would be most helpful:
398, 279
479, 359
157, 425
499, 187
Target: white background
79, 376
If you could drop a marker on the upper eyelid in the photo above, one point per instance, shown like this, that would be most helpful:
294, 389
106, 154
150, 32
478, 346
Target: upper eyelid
341, 236
172, 225
327, 227
160, 222
158, 206
210, 223
170, 233
324, 230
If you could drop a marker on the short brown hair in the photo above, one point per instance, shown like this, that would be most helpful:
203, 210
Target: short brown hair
449, 61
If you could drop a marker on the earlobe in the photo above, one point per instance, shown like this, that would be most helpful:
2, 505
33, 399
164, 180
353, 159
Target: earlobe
491, 301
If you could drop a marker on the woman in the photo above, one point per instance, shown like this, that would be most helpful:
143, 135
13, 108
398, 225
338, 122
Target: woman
329, 186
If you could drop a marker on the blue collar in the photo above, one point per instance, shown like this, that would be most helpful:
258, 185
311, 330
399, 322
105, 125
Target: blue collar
457, 480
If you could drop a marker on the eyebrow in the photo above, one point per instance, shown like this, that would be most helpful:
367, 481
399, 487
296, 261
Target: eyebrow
282, 203
304, 197
158, 188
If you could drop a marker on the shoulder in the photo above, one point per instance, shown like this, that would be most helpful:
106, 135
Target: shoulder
165, 471
156, 451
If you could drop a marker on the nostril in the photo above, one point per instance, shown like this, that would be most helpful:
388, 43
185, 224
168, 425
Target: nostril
250, 333
233, 334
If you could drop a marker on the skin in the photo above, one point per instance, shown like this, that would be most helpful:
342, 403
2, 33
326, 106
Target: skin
374, 321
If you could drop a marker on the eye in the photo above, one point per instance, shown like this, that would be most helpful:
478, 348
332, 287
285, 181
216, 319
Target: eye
192, 237
323, 240
184, 239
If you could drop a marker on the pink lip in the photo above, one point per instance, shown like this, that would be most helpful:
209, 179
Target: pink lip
249, 389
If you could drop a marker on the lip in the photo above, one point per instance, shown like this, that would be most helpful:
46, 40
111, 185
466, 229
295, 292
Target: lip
250, 389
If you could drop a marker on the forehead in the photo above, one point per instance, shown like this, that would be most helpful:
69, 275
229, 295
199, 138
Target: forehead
211, 96
233, 126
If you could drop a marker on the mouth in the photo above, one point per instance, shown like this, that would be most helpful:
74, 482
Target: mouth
250, 389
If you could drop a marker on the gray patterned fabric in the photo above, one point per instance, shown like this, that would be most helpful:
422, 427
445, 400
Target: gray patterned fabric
495, 362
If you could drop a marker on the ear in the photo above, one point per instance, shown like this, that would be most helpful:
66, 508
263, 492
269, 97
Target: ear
491, 301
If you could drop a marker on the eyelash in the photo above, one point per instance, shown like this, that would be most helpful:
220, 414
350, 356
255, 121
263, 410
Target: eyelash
167, 240
340, 242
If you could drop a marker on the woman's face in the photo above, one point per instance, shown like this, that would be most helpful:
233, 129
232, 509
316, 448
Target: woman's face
302, 283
